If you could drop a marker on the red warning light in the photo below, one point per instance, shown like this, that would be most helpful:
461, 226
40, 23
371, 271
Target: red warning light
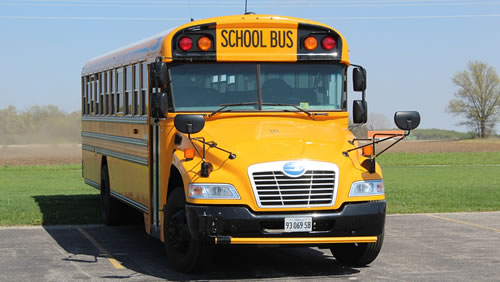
185, 43
328, 43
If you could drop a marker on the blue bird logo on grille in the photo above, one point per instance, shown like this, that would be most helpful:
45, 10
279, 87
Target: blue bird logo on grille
293, 169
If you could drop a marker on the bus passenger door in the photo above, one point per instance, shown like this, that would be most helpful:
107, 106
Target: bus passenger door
155, 152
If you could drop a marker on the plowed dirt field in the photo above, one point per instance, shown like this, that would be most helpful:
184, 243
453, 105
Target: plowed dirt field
71, 153
40, 154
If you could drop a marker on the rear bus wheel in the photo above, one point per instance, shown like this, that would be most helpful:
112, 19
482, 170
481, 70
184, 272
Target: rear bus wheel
110, 207
183, 252
357, 255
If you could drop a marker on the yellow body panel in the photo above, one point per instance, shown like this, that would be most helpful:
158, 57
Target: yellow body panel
260, 138
129, 179
139, 131
91, 166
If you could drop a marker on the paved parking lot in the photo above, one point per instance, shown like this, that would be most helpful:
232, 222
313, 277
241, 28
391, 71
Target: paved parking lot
456, 246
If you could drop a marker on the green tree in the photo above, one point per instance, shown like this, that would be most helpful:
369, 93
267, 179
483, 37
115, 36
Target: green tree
477, 99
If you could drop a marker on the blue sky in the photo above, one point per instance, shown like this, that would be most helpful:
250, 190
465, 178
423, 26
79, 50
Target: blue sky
411, 49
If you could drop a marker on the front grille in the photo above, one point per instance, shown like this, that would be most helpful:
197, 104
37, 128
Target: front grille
275, 185
314, 188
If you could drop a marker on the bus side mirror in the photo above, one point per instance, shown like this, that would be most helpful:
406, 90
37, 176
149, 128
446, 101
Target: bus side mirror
407, 120
359, 111
160, 105
359, 79
159, 73
189, 124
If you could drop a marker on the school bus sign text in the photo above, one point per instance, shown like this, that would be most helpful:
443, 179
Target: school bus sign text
240, 44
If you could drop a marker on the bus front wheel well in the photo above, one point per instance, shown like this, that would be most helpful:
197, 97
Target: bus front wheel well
175, 180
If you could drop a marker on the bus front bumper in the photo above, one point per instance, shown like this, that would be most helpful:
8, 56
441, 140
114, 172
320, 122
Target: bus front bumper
353, 223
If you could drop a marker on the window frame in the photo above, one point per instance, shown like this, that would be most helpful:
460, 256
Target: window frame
135, 89
144, 81
84, 95
119, 100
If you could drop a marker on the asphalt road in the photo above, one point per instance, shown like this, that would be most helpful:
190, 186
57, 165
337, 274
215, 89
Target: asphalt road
439, 247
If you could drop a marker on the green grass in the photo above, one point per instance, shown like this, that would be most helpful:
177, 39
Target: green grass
415, 183
34, 195
427, 159
441, 182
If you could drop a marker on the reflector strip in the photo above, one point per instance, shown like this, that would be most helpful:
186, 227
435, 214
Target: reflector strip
309, 240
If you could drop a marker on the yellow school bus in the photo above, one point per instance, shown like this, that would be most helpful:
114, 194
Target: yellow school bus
234, 130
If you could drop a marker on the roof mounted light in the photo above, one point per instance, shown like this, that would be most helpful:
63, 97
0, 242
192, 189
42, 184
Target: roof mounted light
185, 43
328, 43
310, 43
204, 43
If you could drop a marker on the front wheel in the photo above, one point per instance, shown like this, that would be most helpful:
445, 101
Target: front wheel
357, 255
183, 252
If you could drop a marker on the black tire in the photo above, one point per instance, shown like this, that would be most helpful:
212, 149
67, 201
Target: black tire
110, 207
183, 252
358, 255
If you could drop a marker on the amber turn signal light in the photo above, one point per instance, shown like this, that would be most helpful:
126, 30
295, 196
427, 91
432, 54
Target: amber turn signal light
204, 43
368, 151
310, 43
189, 153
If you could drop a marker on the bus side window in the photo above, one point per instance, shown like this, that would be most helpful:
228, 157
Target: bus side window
128, 91
95, 93
111, 93
105, 104
144, 87
119, 90
91, 94
135, 100
87, 107
84, 95
99, 94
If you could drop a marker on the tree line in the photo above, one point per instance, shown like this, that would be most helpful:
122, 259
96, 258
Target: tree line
39, 125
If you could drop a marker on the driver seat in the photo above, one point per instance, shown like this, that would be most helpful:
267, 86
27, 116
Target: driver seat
275, 90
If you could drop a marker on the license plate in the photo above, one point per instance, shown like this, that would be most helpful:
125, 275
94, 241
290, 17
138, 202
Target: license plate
298, 224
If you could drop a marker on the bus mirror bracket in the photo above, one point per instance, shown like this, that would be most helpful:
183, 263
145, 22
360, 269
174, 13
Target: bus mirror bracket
190, 124
405, 120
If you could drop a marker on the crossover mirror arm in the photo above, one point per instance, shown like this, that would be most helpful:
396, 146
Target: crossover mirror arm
373, 142
212, 144
190, 124
207, 167
404, 120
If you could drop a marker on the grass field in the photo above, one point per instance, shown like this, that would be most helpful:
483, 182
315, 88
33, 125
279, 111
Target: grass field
46, 195
441, 182
415, 183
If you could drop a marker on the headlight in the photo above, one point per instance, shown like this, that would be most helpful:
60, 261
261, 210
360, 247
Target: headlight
212, 191
367, 188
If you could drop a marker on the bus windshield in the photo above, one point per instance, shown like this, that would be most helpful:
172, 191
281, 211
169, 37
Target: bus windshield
204, 87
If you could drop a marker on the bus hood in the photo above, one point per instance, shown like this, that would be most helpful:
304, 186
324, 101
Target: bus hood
266, 139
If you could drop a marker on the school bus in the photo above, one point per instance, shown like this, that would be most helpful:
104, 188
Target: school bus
234, 130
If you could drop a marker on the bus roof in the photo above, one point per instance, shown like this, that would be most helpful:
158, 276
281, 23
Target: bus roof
160, 45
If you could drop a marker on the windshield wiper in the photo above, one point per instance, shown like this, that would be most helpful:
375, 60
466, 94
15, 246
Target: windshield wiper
223, 106
290, 105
